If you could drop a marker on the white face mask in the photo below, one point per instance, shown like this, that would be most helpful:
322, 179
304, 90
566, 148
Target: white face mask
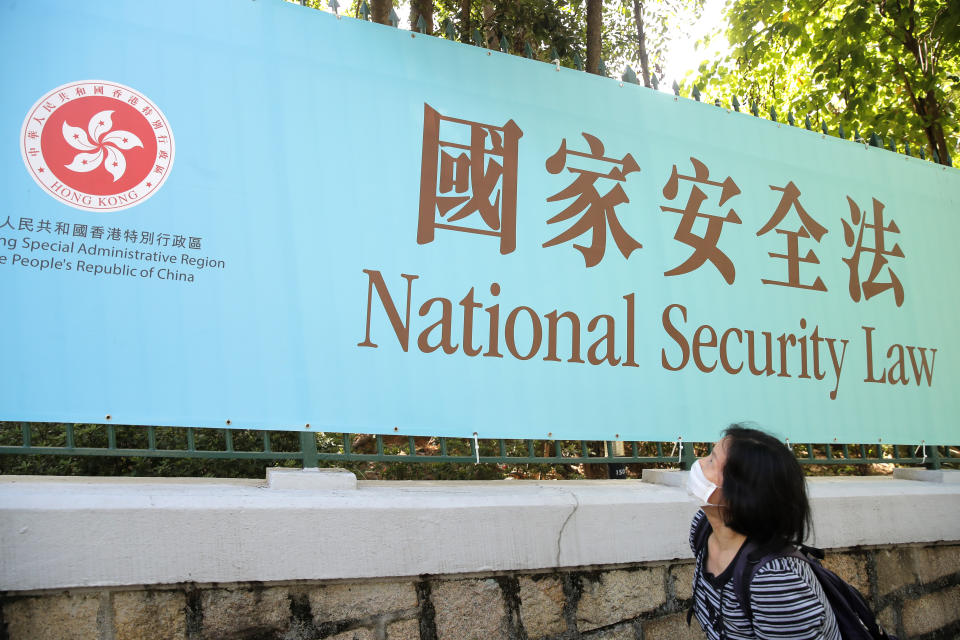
698, 486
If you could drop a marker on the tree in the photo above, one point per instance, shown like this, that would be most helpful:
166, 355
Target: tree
465, 9
639, 32
885, 66
380, 10
418, 9
547, 26
594, 25
620, 32
641, 42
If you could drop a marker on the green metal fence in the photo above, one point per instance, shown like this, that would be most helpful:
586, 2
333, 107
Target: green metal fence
311, 449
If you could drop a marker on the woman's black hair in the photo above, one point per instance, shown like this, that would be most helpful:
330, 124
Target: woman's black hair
763, 488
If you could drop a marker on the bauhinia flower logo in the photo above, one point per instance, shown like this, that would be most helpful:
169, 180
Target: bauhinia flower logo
97, 145
103, 146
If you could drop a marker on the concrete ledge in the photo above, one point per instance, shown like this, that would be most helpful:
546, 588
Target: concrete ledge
310, 479
928, 475
81, 532
666, 477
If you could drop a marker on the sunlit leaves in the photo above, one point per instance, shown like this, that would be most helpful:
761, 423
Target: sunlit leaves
870, 65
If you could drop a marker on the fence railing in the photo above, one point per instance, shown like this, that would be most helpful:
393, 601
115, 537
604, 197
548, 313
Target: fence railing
311, 448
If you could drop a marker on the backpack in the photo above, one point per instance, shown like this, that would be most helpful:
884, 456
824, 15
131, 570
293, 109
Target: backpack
854, 618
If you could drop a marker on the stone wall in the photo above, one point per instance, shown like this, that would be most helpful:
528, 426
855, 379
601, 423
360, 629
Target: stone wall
915, 589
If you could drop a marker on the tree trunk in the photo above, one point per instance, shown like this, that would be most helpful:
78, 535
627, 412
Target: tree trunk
488, 33
380, 10
642, 42
594, 27
929, 111
926, 106
421, 8
465, 20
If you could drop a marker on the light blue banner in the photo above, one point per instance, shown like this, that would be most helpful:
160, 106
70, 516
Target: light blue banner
251, 214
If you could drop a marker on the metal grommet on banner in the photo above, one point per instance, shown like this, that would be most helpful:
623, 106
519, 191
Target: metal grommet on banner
476, 446
921, 447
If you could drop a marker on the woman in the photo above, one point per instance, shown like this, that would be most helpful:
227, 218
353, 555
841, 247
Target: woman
752, 488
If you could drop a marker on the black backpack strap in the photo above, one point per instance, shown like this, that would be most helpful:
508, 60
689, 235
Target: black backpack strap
812, 552
743, 571
748, 562
700, 535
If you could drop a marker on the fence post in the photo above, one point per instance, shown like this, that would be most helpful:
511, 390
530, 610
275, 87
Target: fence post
933, 460
687, 456
308, 449
615, 470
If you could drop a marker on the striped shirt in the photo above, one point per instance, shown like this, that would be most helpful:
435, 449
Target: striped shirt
785, 596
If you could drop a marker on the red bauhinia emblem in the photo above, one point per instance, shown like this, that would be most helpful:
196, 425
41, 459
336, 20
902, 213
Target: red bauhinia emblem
97, 145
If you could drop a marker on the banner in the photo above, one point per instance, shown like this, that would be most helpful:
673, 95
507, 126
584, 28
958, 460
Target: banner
251, 214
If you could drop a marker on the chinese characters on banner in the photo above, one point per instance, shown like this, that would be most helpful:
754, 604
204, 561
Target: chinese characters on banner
705, 247
101, 232
469, 184
598, 211
477, 169
808, 227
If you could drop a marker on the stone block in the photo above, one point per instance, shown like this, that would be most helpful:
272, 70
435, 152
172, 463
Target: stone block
900, 567
931, 611
852, 568
682, 576
64, 617
888, 619
541, 605
469, 610
672, 627
359, 600
930, 563
150, 615
892, 571
404, 630
355, 634
231, 613
622, 632
619, 595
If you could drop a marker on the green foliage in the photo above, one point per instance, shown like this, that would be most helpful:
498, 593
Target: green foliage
542, 25
884, 66
559, 27
664, 22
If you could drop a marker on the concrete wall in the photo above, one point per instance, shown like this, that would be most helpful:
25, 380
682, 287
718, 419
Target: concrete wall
314, 555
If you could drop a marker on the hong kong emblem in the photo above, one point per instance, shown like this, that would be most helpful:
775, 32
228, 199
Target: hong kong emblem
97, 145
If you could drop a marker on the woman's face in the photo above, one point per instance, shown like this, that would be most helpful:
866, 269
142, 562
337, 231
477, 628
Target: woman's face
712, 465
